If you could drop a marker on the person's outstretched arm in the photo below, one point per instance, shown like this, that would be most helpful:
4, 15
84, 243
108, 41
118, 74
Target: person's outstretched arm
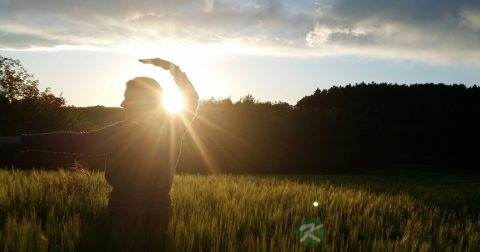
189, 93
94, 142
11, 141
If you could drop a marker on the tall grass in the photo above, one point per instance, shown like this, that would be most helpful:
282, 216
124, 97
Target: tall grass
66, 211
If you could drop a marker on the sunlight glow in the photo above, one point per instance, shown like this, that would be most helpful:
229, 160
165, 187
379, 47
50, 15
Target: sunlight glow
173, 102
211, 165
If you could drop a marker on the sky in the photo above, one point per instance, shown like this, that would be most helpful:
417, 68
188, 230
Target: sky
275, 50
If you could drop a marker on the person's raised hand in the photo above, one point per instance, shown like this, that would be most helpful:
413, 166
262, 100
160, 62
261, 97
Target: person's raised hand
165, 64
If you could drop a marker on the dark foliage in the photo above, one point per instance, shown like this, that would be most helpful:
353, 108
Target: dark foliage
420, 123
23, 107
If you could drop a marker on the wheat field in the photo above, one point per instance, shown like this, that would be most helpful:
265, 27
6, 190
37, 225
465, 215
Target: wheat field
65, 211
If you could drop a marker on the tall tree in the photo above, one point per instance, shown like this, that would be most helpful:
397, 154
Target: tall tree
15, 82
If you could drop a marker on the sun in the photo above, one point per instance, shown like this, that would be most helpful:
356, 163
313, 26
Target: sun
173, 102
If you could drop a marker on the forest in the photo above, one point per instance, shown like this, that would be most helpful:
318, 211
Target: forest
342, 129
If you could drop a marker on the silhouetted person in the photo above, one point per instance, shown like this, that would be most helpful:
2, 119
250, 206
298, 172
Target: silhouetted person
141, 155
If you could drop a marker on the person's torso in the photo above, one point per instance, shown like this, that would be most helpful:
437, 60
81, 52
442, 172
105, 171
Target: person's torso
141, 168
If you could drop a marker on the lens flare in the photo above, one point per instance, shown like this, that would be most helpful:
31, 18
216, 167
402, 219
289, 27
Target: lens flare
173, 103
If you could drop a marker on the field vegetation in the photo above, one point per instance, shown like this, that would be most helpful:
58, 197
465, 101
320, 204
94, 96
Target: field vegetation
66, 211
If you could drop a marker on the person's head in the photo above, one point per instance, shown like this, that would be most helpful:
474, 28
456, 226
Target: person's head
143, 99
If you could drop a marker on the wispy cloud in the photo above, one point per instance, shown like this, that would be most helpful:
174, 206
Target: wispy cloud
432, 30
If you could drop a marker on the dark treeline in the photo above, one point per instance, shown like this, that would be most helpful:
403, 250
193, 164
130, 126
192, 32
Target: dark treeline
421, 123
340, 129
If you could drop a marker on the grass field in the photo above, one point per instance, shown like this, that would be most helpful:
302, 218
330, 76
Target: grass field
56, 211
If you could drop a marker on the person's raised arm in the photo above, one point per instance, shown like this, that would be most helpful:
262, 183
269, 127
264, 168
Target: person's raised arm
189, 93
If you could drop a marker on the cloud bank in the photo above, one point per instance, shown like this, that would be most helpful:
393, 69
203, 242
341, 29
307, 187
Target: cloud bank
435, 30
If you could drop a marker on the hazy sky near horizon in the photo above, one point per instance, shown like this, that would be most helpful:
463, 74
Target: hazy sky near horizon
275, 50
